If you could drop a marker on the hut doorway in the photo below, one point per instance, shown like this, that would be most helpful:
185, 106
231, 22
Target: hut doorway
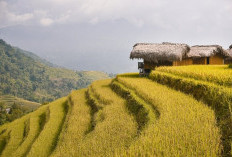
207, 60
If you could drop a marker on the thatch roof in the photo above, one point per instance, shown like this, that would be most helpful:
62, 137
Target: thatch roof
155, 53
206, 51
230, 52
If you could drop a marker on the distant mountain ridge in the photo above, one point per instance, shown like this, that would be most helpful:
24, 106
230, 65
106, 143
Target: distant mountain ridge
25, 75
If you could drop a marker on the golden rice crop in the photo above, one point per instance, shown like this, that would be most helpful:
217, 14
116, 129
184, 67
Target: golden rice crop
219, 74
20, 134
76, 125
115, 127
37, 122
143, 112
219, 98
16, 136
48, 137
186, 127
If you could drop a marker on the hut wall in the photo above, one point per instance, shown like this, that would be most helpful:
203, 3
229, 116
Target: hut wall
149, 65
228, 61
164, 63
202, 60
216, 60
187, 61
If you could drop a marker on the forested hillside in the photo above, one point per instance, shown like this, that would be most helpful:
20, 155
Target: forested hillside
27, 76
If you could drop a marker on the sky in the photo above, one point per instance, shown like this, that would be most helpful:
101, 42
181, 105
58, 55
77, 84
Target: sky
100, 34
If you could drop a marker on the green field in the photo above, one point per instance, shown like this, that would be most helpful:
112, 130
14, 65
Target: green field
10, 100
173, 112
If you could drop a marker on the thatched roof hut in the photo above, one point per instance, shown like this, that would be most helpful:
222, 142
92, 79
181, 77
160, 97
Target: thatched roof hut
206, 51
154, 52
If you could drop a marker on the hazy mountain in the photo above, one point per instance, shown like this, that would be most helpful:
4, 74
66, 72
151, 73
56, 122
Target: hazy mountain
25, 75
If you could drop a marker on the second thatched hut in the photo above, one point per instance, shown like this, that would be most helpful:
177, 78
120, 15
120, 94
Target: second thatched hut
205, 54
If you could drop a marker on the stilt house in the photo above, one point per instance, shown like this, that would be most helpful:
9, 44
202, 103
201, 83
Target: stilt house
153, 55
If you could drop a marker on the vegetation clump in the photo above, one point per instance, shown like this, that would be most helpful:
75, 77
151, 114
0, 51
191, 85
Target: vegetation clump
8, 114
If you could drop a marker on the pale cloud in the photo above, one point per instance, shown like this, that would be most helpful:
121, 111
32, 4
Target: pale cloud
161, 13
46, 21
92, 11
8, 18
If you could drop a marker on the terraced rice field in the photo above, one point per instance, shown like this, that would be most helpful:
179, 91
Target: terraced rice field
167, 114
219, 74
185, 126
34, 134
210, 84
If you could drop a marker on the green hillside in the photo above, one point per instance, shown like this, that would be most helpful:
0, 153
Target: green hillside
169, 113
35, 57
27, 76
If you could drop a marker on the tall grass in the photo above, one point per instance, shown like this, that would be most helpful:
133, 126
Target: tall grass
186, 127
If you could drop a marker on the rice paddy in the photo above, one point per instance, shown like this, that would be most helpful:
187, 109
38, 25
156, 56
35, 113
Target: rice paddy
185, 127
219, 74
174, 112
